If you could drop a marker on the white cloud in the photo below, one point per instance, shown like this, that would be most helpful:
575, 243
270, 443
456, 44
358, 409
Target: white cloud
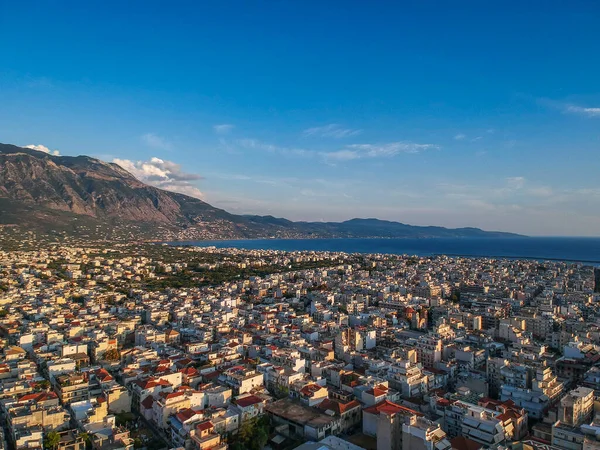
515, 182
593, 192
359, 151
346, 153
162, 174
342, 155
43, 148
460, 136
570, 108
223, 128
541, 191
333, 130
155, 141
259, 145
583, 111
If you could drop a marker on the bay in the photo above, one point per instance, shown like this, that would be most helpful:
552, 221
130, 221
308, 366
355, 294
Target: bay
541, 248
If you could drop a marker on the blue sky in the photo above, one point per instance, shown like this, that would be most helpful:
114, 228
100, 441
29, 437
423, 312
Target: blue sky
466, 113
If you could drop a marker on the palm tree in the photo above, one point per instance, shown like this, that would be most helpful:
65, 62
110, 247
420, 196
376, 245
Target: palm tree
52, 440
86, 438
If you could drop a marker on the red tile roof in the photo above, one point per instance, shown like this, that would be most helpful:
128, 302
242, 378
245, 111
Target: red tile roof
38, 397
187, 413
388, 407
376, 392
147, 402
206, 425
248, 401
310, 389
337, 406
463, 443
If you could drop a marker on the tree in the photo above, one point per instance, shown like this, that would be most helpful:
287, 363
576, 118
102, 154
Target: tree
253, 435
51, 440
112, 355
282, 391
45, 385
246, 430
259, 439
123, 418
86, 438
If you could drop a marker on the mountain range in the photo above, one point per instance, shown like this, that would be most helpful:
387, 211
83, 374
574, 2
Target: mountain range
80, 194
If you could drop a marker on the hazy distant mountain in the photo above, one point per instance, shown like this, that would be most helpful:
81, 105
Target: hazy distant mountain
47, 192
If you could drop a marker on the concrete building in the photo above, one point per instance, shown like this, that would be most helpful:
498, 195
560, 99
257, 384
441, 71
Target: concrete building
301, 421
429, 350
72, 388
419, 433
576, 407
385, 420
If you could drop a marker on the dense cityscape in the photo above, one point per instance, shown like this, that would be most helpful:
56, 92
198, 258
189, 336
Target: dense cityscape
299, 225
154, 346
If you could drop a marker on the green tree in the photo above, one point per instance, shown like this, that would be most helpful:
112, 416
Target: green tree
123, 418
259, 438
51, 440
252, 435
112, 355
86, 438
282, 391
45, 385
246, 430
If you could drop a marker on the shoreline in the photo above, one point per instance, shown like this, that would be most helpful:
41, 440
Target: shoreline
583, 255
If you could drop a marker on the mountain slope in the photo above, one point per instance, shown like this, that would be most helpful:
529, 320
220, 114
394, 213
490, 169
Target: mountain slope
43, 191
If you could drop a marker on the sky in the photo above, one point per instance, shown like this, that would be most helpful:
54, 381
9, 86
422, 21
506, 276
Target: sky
464, 113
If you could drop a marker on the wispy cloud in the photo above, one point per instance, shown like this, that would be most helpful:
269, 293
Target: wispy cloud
259, 145
515, 182
541, 191
359, 151
507, 193
162, 174
223, 128
157, 142
43, 148
333, 130
460, 136
346, 153
582, 111
570, 108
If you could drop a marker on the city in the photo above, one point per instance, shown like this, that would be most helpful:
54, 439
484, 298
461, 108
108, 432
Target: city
299, 225
133, 346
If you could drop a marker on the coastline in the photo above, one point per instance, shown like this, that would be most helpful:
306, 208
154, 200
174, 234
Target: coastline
585, 250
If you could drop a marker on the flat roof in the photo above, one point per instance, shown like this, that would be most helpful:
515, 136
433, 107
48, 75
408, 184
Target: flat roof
298, 413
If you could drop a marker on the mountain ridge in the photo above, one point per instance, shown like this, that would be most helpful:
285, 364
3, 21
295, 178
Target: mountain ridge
43, 191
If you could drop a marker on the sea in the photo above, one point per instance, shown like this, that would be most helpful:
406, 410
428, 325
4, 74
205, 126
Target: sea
571, 249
